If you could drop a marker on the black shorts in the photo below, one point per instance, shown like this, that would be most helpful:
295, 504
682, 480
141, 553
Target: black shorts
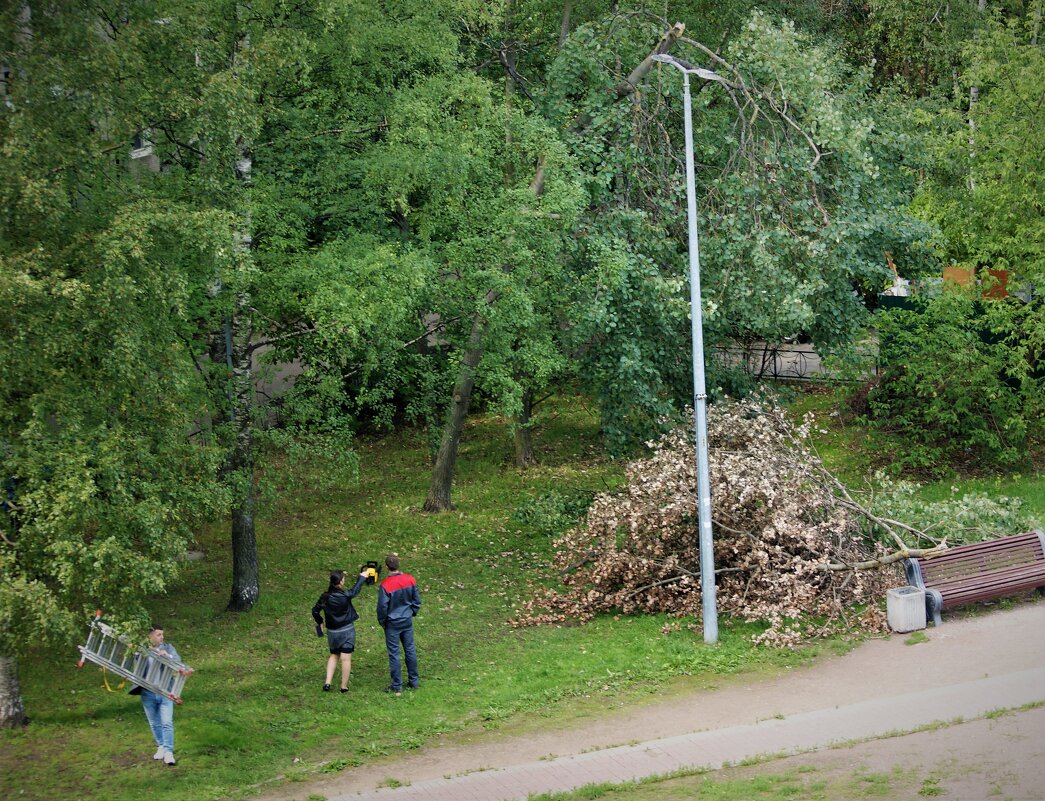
342, 641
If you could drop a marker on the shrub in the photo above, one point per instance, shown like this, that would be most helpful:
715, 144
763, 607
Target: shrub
959, 381
971, 517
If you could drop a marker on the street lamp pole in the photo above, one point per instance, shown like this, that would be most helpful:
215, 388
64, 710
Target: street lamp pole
700, 398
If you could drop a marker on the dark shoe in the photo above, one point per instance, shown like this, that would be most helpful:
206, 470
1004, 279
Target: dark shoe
412, 686
391, 689
344, 689
326, 688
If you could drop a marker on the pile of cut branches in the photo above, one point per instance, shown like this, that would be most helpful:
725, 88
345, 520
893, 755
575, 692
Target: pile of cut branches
787, 535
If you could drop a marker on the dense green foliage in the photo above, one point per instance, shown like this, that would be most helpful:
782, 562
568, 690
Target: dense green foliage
104, 472
798, 204
409, 200
961, 381
104, 484
984, 184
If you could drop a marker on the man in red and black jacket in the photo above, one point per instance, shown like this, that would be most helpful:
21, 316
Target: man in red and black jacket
398, 600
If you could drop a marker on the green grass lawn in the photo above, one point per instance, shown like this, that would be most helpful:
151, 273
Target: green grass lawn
254, 712
853, 452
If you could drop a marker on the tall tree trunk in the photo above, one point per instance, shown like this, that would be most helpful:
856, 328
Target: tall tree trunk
974, 95
523, 437
220, 352
564, 28
12, 710
439, 490
438, 499
245, 580
523, 444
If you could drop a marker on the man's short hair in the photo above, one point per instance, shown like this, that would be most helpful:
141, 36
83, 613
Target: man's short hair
392, 562
155, 627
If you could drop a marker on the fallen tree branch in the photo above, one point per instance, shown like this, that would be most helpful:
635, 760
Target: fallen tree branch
882, 561
587, 559
753, 96
660, 583
685, 574
629, 85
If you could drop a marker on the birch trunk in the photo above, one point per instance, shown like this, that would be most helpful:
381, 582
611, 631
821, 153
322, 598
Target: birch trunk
12, 710
974, 95
523, 432
564, 28
245, 579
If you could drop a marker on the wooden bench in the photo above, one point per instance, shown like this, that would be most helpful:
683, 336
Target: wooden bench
979, 572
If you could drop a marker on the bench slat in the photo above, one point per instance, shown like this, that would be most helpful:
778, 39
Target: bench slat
1004, 570
986, 570
1025, 583
1033, 578
974, 569
1005, 543
998, 542
959, 599
1017, 557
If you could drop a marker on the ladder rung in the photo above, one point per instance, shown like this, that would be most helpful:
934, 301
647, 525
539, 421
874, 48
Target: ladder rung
150, 670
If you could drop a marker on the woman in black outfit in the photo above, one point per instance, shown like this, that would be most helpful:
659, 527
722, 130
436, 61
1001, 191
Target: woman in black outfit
336, 606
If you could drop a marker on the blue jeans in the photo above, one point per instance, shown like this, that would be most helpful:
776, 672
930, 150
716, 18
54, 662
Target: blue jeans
160, 712
395, 633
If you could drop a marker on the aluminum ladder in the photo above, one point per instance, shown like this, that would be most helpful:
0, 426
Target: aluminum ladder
142, 666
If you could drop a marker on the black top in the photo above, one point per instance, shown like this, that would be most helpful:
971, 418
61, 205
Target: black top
337, 607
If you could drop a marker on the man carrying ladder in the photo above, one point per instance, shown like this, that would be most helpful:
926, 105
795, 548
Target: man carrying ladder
159, 709
157, 673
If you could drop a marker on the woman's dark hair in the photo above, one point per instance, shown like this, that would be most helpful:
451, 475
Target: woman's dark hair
336, 577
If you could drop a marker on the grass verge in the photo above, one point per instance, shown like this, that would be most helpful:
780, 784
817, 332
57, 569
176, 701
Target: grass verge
904, 764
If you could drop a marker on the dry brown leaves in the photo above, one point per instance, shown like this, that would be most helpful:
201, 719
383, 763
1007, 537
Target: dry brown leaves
776, 525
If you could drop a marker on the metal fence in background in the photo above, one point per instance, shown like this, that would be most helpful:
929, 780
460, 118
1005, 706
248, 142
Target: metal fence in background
783, 362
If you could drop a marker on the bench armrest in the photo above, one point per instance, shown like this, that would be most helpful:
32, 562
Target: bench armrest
914, 573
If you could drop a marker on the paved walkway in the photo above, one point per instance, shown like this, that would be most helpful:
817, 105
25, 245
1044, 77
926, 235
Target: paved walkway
966, 669
714, 749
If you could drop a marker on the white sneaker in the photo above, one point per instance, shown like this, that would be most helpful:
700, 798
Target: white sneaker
161, 752
168, 758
